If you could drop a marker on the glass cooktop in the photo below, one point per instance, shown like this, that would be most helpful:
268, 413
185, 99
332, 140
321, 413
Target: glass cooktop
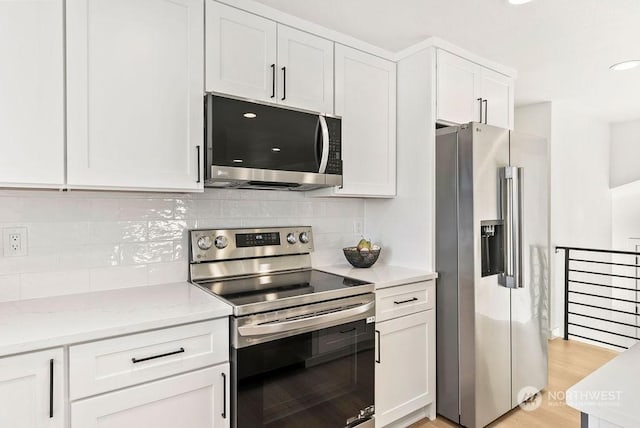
283, 290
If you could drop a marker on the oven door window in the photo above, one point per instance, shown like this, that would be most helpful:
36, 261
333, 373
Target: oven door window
249, 135
318, 379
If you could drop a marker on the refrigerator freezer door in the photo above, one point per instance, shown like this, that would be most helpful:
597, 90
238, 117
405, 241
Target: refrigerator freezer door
530, 304
492, 302
447, 297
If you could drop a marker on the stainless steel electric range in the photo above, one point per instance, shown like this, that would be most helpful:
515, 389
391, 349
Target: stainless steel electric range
302, 340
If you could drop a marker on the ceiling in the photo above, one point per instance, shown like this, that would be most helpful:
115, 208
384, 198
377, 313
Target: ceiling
562, 49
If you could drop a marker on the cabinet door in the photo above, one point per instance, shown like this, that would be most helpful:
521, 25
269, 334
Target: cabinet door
366, 100
305, 70
135, 93
405, 374
198, 399
241, 53
31, 88
32, 389
457, 90
497, 89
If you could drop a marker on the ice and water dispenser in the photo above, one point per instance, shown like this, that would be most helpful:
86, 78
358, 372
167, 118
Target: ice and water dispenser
492, 251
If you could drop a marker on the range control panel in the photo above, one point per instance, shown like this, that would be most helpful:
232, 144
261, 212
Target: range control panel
208, 245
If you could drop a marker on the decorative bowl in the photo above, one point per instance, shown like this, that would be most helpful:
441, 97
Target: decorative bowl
361, 259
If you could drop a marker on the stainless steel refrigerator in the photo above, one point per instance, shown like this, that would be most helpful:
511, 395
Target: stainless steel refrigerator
492, 256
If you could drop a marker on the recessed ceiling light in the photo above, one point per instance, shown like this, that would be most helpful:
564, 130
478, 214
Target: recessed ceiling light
238, 160
275, 149
625, 65
249, 115
519, 2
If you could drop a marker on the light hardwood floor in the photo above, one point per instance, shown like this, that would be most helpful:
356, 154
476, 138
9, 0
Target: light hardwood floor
569, 361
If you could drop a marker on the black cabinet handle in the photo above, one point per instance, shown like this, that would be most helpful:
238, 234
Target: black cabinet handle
413, 299
486, 107
139, 360
273, 80
198, 149
224, 396
51, 388
480, 99
284, 83
379, 346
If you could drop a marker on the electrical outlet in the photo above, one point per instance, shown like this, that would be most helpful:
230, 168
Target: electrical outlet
357, 227
14, 241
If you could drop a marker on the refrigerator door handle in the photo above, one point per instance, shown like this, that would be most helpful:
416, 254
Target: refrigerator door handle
512, 192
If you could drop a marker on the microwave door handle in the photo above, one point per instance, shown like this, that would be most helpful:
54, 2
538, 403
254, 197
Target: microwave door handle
325, 145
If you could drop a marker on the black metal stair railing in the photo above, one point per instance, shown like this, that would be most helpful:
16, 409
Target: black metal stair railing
601, 295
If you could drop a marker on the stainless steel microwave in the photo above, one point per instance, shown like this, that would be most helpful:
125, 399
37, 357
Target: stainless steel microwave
252, 145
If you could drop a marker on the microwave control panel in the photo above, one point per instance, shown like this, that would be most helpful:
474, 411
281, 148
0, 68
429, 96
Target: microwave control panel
334, 164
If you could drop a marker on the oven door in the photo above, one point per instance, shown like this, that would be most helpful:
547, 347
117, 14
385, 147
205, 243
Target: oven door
321, 378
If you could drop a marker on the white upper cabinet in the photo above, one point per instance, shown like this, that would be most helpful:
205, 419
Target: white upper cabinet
31, 93
366, 100
305, 69
469, 92
135, 83
497, 90
253, 57
32, 390
241, 53
457, 89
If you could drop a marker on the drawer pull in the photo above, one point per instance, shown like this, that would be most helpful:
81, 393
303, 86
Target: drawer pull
224, 396
139, 360
413, 299
51, 388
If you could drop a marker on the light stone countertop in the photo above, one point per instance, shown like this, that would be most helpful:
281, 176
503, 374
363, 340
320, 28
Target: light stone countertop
611, 392
381, 275
29, 325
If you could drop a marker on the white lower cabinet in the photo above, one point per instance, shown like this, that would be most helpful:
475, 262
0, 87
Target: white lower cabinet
172, 377
405, 361
197, 399
32, 390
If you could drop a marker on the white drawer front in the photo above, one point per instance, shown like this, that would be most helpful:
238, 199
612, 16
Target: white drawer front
123, 361
403, 300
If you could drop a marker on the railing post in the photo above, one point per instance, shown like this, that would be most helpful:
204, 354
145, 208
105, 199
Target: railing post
566, 294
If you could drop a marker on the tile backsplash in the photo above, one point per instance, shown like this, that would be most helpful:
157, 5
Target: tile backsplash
85, 241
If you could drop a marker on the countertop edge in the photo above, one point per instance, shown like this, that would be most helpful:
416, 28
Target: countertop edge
383, 276
122, 330
51, 322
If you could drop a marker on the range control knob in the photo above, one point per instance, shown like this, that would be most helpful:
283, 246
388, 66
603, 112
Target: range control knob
304, 237
204, 242
221, 242
291, 238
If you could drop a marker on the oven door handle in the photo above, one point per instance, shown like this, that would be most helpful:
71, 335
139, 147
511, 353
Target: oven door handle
312, 321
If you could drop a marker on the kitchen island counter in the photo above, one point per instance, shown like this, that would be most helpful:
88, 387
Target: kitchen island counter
609, 396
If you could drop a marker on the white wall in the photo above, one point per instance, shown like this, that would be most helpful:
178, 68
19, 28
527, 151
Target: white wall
625, 153
404, 226
85, 241
580, 196
625, 174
